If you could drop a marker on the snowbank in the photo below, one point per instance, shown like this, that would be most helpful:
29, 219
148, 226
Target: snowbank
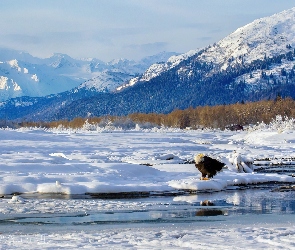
228, 179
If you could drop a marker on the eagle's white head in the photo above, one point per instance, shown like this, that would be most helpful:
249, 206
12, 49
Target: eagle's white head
199, 158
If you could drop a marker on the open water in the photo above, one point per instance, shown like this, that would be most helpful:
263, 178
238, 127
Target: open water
244, 203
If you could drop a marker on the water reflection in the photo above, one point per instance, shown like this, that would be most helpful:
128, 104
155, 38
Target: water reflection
210, 212
218, 206
249, 201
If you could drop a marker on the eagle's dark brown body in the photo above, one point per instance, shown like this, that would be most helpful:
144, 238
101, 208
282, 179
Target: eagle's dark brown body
207, 165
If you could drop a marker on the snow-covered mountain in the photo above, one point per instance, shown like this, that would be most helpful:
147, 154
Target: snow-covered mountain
158, 68
264, 38
24, 75
18, 78
106, 81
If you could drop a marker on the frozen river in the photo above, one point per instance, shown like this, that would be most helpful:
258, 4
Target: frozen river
224, 207
253, 214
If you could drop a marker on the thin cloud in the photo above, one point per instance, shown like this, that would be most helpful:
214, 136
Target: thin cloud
23, 38
148, 47
206, 38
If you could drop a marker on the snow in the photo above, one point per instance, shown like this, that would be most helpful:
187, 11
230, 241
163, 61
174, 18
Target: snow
3, 82
37, 153
267, 36
110, 160
261, 236
14, 64
20, 78
106, 81
134, 160
8, 87
158, 68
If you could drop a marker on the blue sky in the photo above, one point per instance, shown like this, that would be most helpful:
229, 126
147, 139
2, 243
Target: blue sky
132, 29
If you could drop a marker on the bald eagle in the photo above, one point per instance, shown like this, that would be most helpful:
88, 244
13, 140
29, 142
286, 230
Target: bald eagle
207, 166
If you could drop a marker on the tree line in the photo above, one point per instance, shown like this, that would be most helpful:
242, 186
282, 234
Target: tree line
219, 116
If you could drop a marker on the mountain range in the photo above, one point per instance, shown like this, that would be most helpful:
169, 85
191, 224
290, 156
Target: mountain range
254, 62
24, 75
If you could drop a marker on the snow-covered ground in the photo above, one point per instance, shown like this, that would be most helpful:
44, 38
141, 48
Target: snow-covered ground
64, 162
238, 235
80, 162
